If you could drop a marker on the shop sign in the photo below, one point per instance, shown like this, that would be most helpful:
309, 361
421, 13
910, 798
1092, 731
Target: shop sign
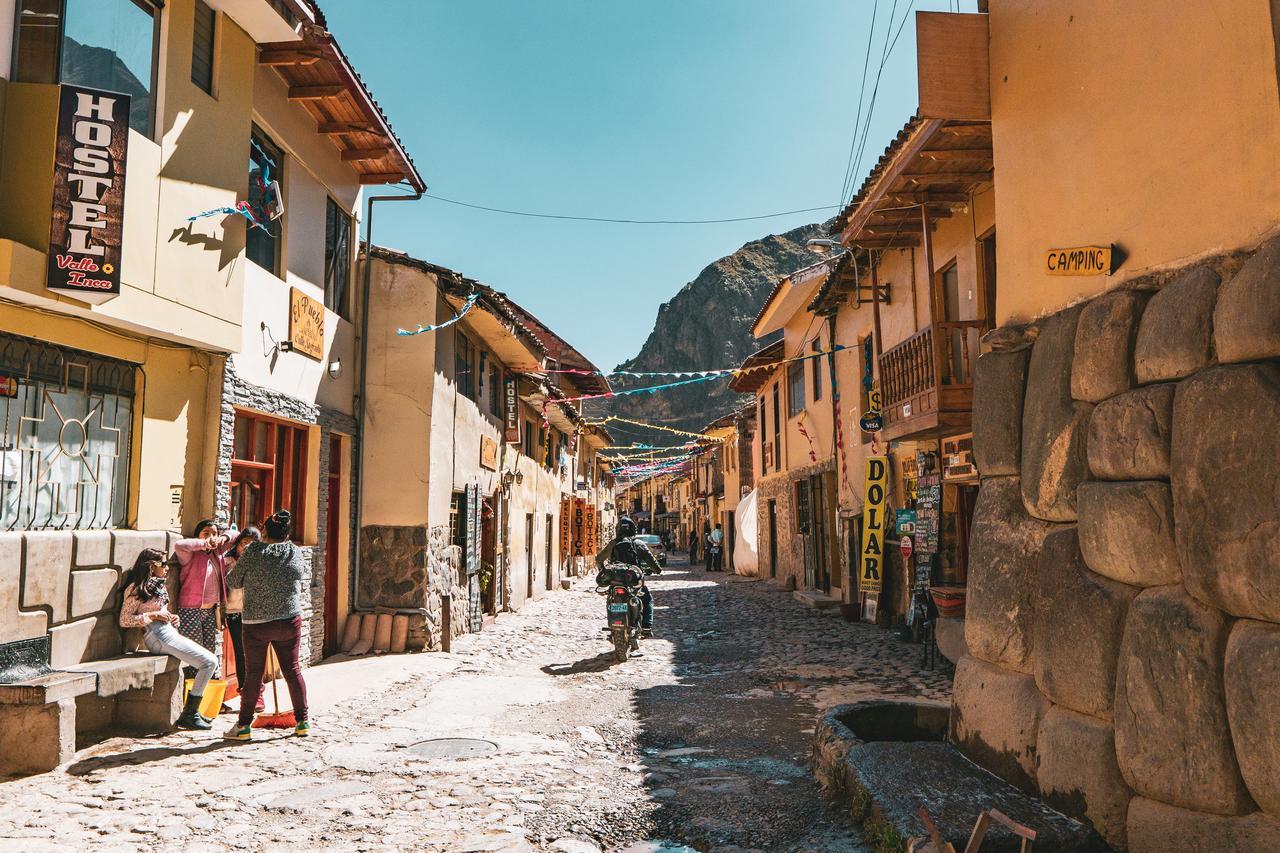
488, 453
591, 528
871, 422
306, 324
1081, 260
87, 226
473, 529
905, 547
566, 524
928, 513
870, 576
579, 527
905, 522
8, 386
511, 411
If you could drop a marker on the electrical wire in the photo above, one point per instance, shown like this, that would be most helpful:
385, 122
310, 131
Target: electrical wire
619, 221
857, 118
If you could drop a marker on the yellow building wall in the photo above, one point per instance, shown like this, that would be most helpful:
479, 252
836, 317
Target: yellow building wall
1183, 164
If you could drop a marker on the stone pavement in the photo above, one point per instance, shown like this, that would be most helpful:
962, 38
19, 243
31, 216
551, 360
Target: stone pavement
704, 741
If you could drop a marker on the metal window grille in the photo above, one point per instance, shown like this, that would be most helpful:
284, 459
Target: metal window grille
66, 422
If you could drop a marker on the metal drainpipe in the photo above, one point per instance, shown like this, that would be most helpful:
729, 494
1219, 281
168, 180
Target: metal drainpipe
361, 407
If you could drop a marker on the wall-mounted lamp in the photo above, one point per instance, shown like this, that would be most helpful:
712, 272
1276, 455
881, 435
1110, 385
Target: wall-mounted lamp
335, 368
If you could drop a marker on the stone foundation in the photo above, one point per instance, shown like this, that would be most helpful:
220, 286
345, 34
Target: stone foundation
414, 568
1151, 631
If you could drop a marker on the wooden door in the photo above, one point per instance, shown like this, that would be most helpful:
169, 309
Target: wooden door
332, 547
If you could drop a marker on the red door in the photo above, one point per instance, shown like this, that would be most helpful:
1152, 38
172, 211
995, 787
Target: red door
332, 544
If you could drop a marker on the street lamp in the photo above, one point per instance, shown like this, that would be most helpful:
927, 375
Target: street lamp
823, 246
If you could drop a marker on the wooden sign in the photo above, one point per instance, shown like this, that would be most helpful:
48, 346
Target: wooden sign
472, 532
488, 453
870, 574
591, 538
306, 324
579, 527
566, 524
86, 229
1081, 260
510, 411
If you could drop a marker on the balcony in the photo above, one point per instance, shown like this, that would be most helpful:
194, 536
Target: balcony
915, 403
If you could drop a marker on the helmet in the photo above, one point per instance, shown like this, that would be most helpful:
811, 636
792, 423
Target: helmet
626, 528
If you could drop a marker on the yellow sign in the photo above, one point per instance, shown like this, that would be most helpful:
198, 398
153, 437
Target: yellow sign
488, 453
873, 401
306, 324
1081, 260
871, 571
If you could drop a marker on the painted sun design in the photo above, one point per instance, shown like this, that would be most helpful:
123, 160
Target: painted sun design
108, 269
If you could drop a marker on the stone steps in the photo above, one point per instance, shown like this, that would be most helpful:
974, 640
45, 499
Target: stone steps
815, 599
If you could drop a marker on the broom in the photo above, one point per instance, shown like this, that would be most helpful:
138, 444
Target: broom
279, 719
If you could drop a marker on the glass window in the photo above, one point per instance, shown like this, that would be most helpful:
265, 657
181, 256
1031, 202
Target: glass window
262, 241
202, 46
795, 388
268, 470
495, 390
66, 421
337, 259
102, 44
816, 346
457, 515
464, 371
777, 430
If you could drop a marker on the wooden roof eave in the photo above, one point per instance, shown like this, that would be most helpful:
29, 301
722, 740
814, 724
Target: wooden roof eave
925, 133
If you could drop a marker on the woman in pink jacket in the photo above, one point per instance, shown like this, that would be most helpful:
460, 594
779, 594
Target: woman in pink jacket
202, 585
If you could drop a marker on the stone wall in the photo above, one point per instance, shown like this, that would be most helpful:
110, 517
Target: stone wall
781, 488
412, 568
1123, 617
236, 393
67, 584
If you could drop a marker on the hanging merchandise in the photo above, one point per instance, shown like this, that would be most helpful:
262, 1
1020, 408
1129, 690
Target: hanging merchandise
467, 306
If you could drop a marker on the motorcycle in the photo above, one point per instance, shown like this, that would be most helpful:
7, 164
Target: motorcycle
621, 584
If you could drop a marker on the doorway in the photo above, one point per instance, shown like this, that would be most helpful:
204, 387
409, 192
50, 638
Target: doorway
731, 536
773, 539
551, 575
528, 553
489, 555
332, 546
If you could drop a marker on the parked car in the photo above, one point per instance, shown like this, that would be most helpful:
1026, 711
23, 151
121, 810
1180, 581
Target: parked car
655, 545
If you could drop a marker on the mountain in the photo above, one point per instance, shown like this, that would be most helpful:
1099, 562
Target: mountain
707, 325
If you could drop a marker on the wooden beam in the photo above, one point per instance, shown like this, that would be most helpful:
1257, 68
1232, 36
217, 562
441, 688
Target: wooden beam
283, 57
382, 178
902, 241
364, 154
334, 128
951, 155
949, 177
914, 198
315, 93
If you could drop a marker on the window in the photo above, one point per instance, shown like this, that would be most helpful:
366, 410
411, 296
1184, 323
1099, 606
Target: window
495, 390
528, 439
764, 425
457, 520
816, 346
795, 388
268, 470
66, 422
777, 430
802, 506
337, 259
464, 366
202, 47
102, 44
262, 243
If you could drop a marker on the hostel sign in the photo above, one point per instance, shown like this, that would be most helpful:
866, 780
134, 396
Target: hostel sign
87, 226
871, 569
510, 411
1081, 260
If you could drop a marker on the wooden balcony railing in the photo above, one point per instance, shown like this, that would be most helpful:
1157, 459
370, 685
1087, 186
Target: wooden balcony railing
906, 370
913, 398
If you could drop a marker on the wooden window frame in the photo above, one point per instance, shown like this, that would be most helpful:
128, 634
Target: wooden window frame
816, 346
203, 9
795, 377
273, 472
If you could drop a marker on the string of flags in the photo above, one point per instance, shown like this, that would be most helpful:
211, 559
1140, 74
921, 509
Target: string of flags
659, 427
242, 208
708, 374
467, 306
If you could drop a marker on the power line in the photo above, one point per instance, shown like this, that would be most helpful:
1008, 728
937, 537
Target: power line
628, 221
857, 118
884, 59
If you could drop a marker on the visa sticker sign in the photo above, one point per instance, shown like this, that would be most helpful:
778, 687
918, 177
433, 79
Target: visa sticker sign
871, 567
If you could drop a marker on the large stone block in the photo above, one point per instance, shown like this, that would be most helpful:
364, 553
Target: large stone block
126, 545
1126, 532
93, 591
92, 547
1078, 627
995, 717
1246, 322
1054, 426
36, 738
1226, 487
1077, 772
15, 624
1103, 362
47, 571
1175, 337
1252, 677
1155, 827
1172, 737
1129, 435
999, 381
94, 638
1004, 545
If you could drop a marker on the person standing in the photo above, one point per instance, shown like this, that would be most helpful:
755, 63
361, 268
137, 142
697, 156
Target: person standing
146, 606
202, 586
235, 606
271, 574
717, 549
706, 546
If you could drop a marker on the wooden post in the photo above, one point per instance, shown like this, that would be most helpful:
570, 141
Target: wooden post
446, 622
875, 310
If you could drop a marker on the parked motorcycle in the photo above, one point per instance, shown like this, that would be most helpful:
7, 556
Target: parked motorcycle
622, 591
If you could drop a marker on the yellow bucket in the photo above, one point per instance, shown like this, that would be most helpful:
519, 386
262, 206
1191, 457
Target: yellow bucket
211, 704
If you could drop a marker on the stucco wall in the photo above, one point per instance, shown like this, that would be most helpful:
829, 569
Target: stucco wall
1132, 124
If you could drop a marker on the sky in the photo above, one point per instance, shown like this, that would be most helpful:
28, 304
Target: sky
666, 109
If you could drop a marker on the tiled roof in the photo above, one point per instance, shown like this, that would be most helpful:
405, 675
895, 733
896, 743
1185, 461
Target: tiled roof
877, 170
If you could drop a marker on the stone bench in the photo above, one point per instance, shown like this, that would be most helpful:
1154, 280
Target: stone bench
41, 716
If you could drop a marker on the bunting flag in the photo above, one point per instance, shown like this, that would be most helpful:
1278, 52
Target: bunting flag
659, 427
470, 303
700, 374
241, 209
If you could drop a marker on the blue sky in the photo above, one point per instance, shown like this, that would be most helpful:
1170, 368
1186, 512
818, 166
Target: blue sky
668, 109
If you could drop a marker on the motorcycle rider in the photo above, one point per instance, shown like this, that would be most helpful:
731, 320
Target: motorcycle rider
625, 548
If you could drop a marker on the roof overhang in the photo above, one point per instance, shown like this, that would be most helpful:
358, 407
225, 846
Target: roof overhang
755, 372
791, 295
267, 21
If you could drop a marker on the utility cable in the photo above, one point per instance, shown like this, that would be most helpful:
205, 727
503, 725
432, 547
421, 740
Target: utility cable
509, 212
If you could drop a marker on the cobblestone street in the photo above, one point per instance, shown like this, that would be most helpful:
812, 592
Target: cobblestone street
704, 741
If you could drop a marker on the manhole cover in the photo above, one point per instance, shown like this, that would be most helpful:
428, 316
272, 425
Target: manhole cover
453, 747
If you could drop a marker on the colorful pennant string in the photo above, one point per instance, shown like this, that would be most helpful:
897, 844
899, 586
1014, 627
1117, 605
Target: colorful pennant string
659, 427
241, 209
467, 306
